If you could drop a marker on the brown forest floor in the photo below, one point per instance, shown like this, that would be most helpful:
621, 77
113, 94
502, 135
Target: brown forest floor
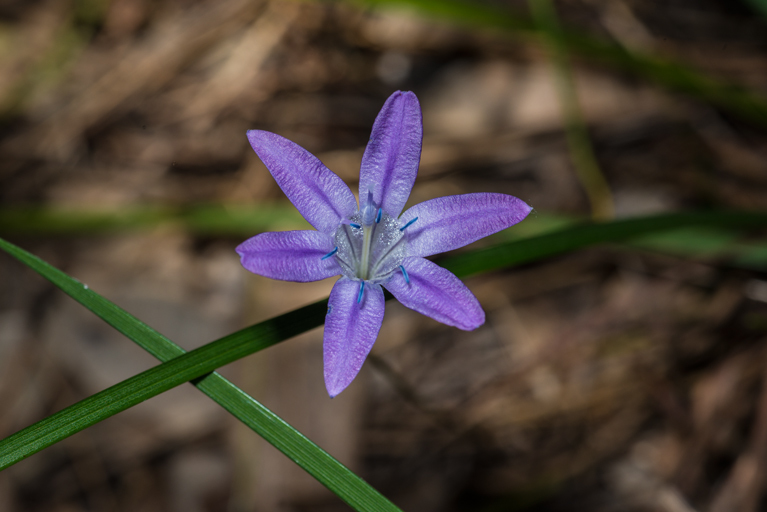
606, 380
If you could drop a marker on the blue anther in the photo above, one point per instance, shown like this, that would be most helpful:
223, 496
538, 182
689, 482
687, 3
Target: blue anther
380, 214
404, 273
331, 253
355, 226
362, 289
408, 224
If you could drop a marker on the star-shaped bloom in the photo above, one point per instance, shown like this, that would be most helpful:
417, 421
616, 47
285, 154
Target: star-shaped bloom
374, 245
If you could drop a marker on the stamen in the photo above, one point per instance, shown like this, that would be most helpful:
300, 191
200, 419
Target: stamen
408, 224
404, 273
362, 289
331, 253
347, 222
369, 250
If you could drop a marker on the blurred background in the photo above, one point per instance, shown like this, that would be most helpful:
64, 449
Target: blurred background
617, 378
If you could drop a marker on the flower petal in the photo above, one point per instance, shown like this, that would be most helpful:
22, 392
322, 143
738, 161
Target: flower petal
351, 328
290, 255
450, 222
319, 194
390, 163
436, 292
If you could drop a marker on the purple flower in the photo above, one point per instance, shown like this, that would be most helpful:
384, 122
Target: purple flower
374, 245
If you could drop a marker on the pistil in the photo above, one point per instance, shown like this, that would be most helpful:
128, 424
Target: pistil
367, 238
370, 219
370, 245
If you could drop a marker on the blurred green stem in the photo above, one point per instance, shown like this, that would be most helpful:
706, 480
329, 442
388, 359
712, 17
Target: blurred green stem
672, 74
578, 140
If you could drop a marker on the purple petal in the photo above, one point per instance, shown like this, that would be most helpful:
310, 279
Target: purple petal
351, 328
290, 255
321, 196
390, 162
436, 292
450, 222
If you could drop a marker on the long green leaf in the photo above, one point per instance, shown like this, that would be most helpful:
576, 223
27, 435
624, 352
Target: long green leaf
576, 237
204, 359
202, 219
760, 5
666, 72
182, 367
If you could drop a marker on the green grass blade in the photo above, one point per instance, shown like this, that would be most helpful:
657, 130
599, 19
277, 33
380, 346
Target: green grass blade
578, 139
183, 367
759, 5
707, 243
665, 72
201, 219
517, 252
154, 381
205, 359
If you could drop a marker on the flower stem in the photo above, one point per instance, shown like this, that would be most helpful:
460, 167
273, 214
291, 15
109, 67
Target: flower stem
581, 150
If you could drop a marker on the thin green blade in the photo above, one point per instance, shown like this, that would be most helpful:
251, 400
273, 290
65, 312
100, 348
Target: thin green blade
576, 237
220, 219
666, 72
182, 367
205, 359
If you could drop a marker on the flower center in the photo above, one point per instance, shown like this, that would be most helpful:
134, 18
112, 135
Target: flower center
370, 247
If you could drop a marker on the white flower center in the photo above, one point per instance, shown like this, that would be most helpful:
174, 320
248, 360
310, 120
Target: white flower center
370, 247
